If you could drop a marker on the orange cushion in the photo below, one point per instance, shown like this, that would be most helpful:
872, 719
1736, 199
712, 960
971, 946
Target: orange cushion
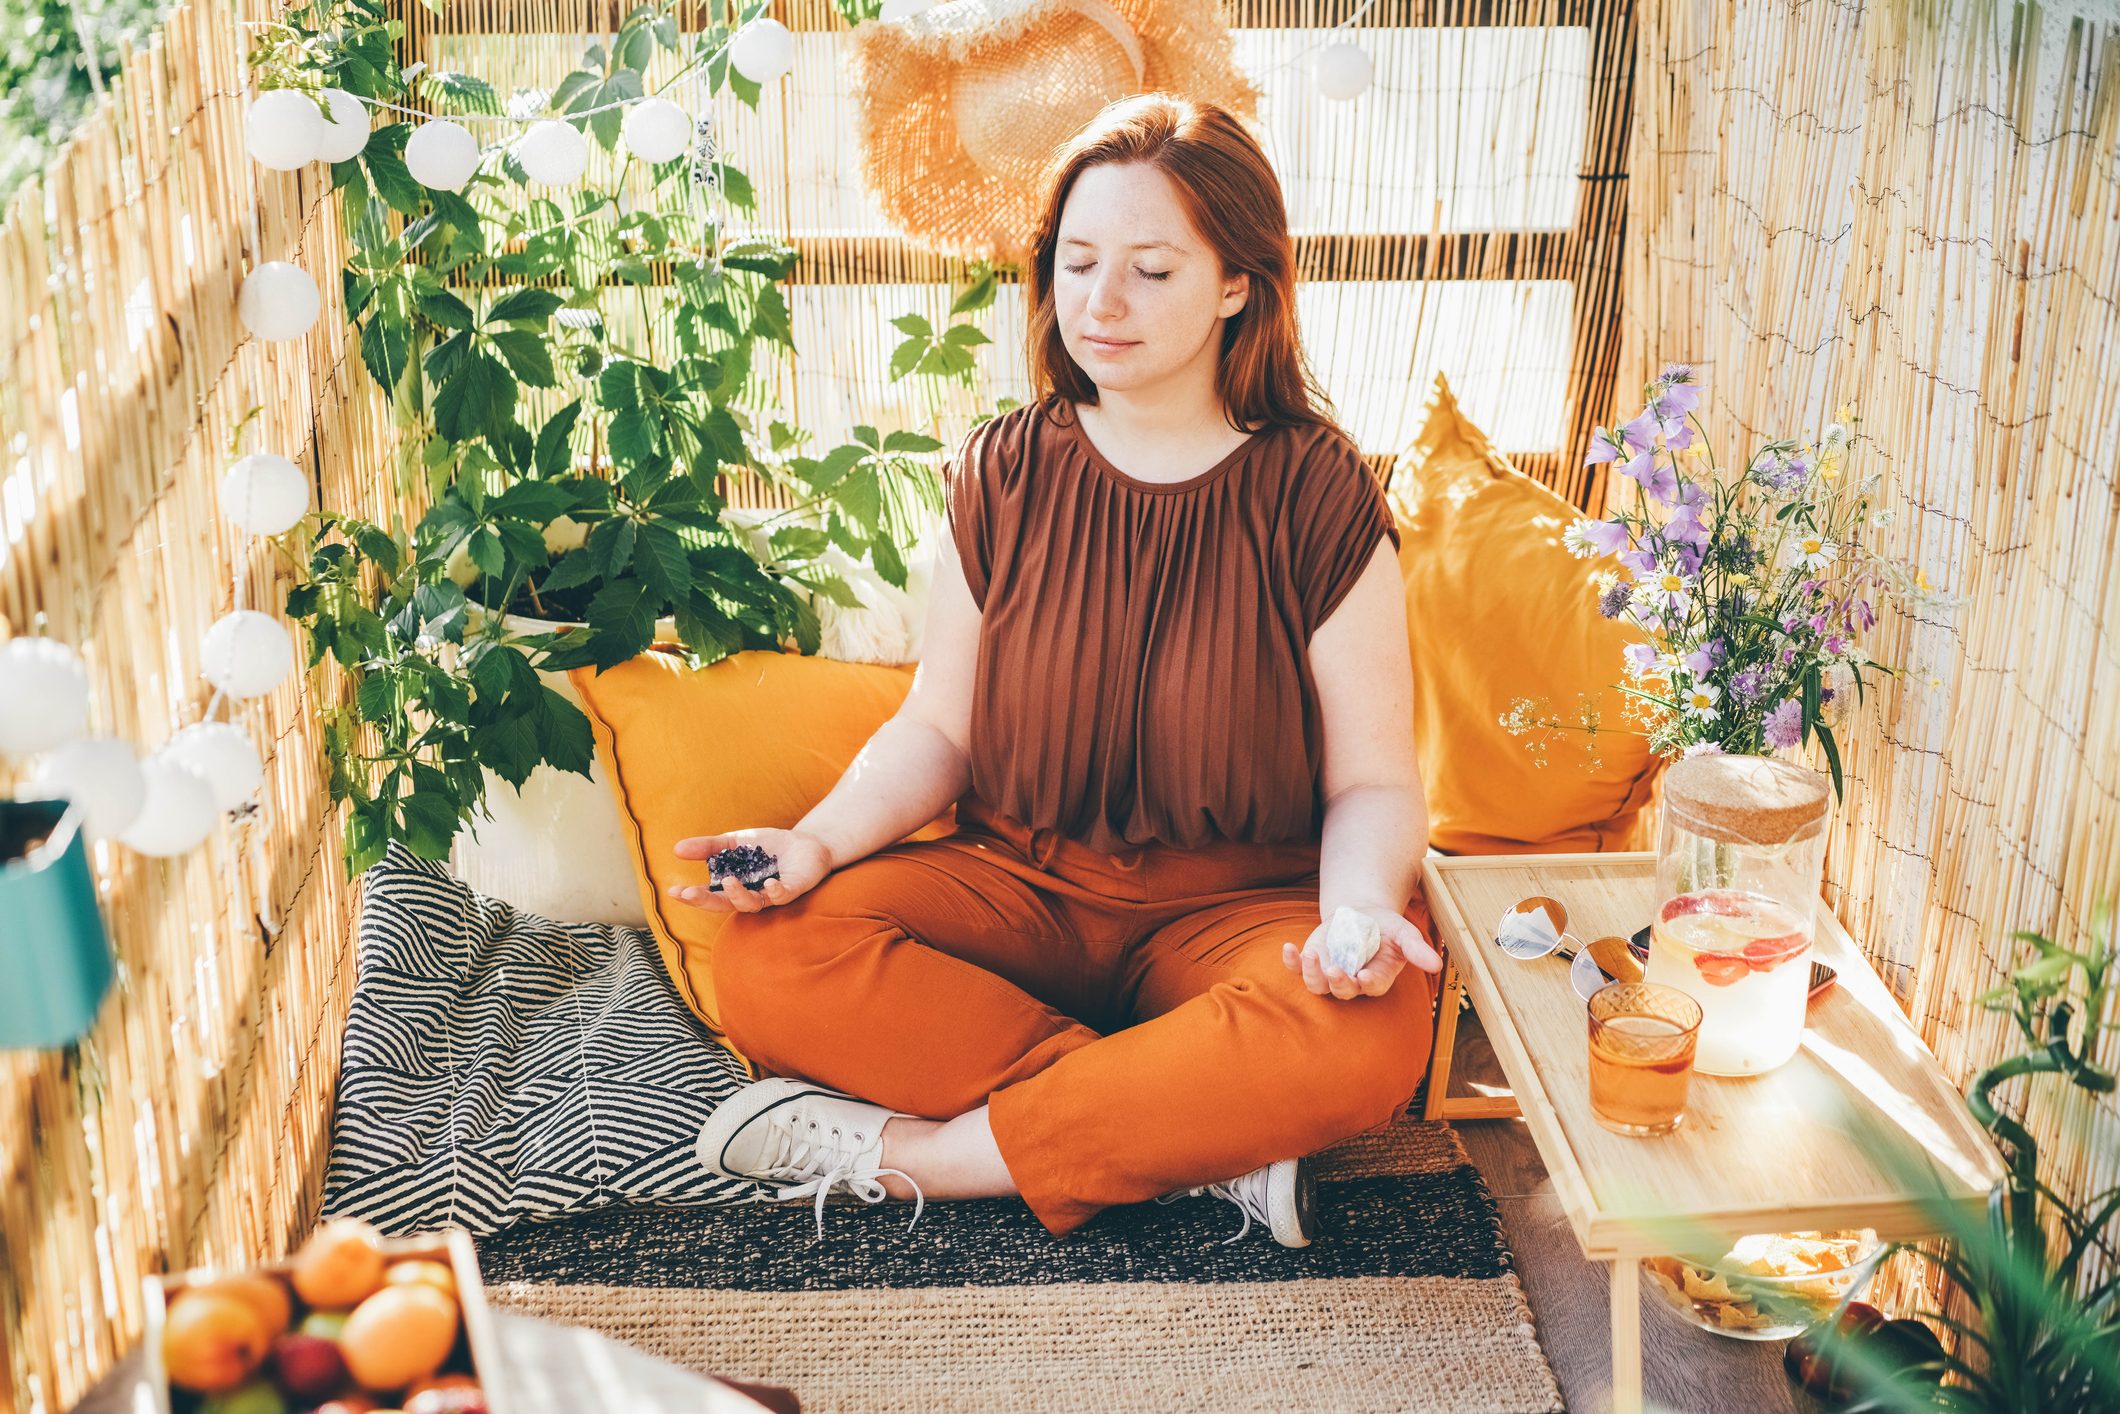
756, 739
1497, 610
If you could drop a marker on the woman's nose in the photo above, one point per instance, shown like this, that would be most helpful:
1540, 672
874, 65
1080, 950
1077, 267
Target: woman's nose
1104, 297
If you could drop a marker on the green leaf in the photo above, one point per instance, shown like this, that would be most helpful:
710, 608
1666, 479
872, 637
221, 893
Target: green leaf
532, 305
533, 501
507, 745
635, 438
430, 821
977, 295
525, 543
765, 257
771, 320
563, 733
867, 436
555, 446
906, 357
610, 545
1832, 750
914, 325
663, 564
386, 347
860, 498
445, 309
965, 336
573, 569
462, 93
623, 620
528, 355
736, 187
902, 441
376, 699
478, 400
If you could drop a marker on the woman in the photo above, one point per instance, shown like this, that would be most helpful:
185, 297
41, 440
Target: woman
1166, 682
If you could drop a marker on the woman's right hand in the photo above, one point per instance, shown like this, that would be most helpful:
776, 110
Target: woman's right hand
803, 861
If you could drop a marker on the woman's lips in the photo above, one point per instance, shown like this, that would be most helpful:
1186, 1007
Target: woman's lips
1108, 346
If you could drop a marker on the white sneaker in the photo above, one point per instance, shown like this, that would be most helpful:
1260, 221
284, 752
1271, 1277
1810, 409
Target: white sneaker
1282, 1195
812, 1141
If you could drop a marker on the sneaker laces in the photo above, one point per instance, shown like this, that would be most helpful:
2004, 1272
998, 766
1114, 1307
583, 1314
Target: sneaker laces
814, 1161
1247, 1191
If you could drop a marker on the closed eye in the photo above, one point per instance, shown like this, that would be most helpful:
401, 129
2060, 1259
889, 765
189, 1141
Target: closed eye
1145, 274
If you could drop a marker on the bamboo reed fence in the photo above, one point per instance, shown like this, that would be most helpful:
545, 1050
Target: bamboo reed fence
1930, 230
1916, 209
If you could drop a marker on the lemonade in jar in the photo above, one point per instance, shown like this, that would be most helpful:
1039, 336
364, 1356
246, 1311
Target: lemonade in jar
1738, 865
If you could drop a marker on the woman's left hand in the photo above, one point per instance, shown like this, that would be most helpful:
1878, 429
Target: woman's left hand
1402, 944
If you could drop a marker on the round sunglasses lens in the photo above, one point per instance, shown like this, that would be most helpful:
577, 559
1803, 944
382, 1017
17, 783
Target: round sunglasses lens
1531, 929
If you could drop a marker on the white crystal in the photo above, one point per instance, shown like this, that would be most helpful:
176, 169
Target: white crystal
1351, 939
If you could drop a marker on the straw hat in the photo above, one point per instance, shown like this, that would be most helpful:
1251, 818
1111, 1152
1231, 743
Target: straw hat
962, 105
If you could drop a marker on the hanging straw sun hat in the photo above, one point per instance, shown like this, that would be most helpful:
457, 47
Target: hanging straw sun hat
962, 104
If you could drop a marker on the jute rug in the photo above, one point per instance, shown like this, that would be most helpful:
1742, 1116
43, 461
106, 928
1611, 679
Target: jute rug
1407, 1303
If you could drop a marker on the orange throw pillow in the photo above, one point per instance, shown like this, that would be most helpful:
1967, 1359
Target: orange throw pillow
756, 739
1497, 609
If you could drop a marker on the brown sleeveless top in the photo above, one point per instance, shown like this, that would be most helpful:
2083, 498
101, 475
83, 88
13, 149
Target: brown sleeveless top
1143, 672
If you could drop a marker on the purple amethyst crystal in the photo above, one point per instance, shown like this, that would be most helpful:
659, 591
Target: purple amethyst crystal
747, 864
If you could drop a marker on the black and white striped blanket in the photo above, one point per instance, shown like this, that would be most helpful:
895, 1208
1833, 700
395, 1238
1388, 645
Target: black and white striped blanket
502, 1068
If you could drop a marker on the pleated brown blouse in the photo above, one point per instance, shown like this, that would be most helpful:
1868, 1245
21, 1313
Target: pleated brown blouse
1143, 661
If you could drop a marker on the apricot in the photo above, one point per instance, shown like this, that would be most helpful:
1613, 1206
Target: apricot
400, 1334
212, 1341
340, 1265
264, 1294
419, 1269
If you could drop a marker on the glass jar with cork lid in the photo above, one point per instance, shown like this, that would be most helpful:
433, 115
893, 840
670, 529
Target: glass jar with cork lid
1738, 865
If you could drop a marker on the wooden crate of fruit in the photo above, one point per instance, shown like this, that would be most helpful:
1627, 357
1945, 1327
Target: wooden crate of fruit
352, 1323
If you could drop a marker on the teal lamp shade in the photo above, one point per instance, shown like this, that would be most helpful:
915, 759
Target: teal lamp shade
55, 962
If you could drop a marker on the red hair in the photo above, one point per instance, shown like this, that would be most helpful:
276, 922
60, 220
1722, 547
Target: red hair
1229, 192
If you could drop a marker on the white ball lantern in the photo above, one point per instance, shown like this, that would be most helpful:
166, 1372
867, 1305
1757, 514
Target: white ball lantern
657, 130
553, 153
264, 494
246, 654
905, 9
345, 126
176, 812
278, 302
43, 695
221, 755
441, 155
101, 776
283, 129
762, 51
1343, 71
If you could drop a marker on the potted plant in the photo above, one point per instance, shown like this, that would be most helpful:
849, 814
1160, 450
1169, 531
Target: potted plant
2038, 1275
571, 374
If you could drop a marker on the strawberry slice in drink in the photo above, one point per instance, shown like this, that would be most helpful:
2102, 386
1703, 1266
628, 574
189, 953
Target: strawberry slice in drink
1720, 969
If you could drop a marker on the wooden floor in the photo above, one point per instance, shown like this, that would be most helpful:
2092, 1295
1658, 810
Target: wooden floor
1684, 1371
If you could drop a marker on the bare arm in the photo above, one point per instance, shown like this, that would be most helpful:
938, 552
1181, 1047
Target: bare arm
1376, 810
919, 761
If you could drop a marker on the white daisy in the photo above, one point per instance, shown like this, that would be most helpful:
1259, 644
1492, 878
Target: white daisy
1699, 701
1816, 552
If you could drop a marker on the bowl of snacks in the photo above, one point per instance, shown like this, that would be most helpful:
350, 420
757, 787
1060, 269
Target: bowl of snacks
350, 1324
1768, 1286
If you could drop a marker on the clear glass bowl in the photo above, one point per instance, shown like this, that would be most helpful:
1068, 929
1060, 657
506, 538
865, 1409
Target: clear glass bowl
1769, 1286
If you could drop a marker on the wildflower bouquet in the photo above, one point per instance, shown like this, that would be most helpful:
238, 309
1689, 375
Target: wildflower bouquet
1753, 589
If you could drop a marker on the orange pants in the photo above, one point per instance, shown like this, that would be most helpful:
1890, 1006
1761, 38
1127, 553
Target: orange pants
1127, 1016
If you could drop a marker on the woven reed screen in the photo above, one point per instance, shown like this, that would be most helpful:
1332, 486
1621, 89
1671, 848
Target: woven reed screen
190, 1125
1916, 208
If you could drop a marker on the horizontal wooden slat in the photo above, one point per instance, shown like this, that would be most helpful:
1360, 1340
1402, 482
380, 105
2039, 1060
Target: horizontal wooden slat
530, 17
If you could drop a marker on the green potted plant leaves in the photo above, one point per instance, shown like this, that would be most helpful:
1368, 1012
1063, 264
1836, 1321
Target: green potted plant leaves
571, 373
2039, 1274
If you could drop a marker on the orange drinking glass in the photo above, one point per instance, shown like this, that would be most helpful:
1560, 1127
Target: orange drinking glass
1641, 1056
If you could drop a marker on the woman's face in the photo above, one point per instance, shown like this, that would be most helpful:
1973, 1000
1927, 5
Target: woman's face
1139, 295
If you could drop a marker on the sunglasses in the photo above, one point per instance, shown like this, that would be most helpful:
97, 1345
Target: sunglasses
1538, 927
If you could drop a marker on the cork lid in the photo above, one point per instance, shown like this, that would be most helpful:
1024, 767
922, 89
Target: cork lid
1746, 799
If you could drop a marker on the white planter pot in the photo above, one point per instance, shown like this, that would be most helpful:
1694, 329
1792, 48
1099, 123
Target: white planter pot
559, 847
